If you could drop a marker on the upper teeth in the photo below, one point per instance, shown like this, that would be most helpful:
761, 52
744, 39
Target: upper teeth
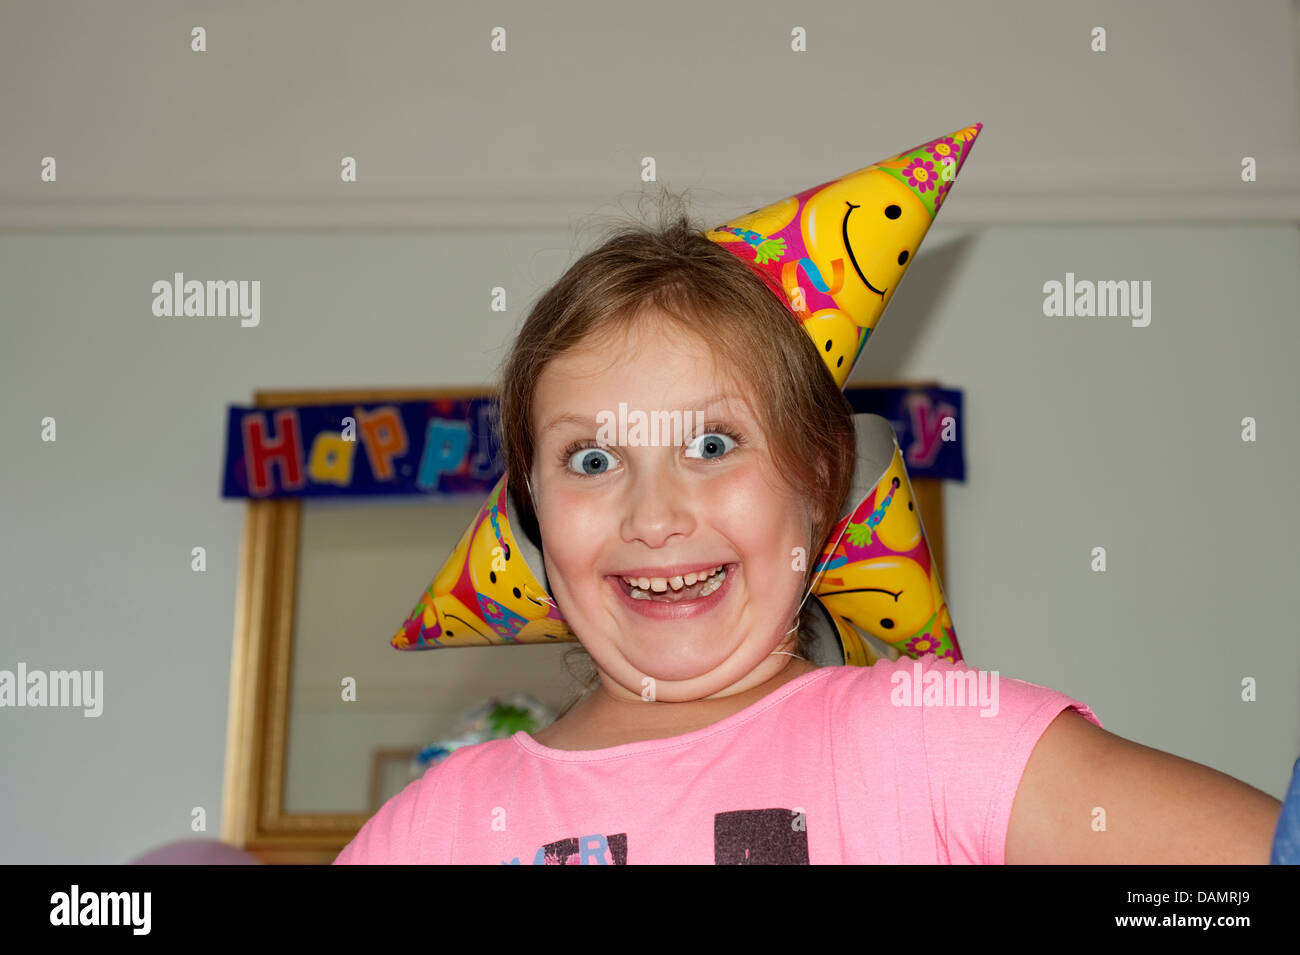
660, 584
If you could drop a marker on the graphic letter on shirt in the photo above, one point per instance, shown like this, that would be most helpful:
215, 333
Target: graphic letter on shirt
587, 850
740, 837
760, 837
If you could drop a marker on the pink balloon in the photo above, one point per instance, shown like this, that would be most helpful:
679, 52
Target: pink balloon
196, 852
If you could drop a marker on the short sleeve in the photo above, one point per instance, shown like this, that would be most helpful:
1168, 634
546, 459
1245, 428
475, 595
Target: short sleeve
976, 750
392, 835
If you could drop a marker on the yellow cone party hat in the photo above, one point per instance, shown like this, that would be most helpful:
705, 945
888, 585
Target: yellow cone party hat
488, 591
838, 251
876, 573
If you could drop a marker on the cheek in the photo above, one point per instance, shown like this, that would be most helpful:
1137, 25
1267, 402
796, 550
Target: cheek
568, 510
764, 524
760, 497
572, 530
762, 521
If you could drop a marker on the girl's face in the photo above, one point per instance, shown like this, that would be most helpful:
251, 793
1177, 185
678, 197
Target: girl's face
659, 509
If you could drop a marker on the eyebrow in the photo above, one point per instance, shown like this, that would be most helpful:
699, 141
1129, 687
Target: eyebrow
583, 420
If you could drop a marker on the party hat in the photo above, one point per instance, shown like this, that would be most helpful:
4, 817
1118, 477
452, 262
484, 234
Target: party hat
488, 590
840, 249
876, 572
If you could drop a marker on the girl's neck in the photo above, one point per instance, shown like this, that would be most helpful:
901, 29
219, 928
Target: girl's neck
600, 720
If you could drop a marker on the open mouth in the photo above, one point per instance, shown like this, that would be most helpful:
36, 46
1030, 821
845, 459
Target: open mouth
702, 587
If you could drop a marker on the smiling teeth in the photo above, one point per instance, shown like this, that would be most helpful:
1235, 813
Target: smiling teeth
713, 585
642, 587
661, 584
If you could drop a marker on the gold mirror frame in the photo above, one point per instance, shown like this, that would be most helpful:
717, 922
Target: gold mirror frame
261, 670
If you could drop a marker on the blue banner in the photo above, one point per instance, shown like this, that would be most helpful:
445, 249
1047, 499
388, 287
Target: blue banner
451, 447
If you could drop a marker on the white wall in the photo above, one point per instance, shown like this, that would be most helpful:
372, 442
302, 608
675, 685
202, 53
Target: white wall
1080, 432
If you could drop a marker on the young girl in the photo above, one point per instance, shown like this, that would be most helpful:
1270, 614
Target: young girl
706, 735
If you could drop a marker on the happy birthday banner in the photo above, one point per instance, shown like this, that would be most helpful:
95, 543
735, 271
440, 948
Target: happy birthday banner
450, 448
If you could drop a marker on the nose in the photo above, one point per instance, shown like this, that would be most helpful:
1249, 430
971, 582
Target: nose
658, 503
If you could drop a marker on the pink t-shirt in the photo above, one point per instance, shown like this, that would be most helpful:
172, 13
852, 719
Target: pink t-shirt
879, 764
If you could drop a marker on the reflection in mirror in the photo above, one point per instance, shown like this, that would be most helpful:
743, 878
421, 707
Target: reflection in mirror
361, 568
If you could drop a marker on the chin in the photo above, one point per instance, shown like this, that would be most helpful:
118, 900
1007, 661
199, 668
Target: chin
707, 666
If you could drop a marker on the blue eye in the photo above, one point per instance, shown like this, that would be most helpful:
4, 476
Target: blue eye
588, 461
583, 459
713, 441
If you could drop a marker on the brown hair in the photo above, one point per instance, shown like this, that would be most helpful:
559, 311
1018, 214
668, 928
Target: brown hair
708, 291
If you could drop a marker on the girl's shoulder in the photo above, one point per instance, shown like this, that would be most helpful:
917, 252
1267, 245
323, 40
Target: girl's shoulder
942, 692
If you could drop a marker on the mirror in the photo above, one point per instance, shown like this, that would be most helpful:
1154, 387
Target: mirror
361, 563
